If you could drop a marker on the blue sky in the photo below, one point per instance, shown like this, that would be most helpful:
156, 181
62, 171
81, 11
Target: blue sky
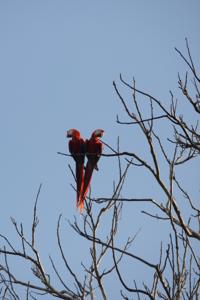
57, 63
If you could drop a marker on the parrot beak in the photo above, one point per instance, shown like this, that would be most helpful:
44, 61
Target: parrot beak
73, 133
69, 133
99, 133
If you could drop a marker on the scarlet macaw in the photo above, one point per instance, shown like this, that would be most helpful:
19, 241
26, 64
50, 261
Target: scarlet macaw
93, 149
77, 149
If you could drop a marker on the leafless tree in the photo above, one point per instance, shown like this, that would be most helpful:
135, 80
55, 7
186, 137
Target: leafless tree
175, 273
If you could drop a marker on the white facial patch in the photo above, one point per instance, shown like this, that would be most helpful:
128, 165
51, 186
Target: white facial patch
99, 132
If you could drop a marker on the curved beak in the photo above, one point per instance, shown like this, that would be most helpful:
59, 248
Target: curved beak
68, 134
101, 132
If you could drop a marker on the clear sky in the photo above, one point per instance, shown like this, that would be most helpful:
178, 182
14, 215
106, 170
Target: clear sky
58, 59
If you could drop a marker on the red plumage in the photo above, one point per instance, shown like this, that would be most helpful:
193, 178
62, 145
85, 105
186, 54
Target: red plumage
77, 149
93, 150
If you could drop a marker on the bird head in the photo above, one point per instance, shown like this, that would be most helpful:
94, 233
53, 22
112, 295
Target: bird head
73, 133
98, 133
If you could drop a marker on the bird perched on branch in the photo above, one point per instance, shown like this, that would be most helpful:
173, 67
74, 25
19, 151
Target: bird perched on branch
93, 150
77, 150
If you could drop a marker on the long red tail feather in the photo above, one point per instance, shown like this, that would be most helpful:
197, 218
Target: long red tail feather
79, 181
80, 204
88, 176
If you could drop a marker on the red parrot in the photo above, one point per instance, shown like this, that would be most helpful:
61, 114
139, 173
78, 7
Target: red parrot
77, 150
93, 150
